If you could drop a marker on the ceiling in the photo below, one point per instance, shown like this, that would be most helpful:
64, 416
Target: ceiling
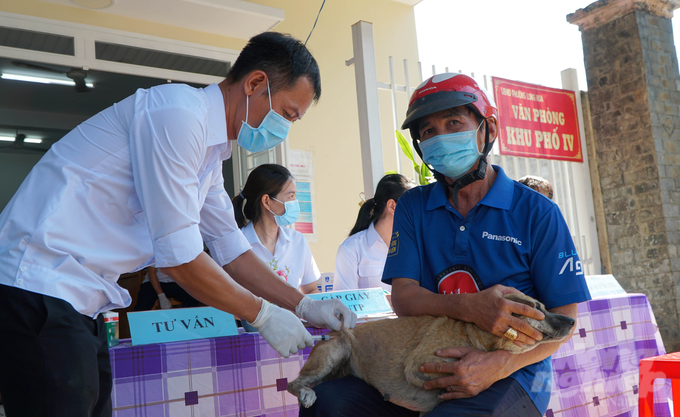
234, 18
50, 111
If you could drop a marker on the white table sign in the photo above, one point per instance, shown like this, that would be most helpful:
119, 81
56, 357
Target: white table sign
603, 286
363, 301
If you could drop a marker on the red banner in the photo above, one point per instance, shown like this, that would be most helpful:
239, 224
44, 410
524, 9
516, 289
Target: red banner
537, 122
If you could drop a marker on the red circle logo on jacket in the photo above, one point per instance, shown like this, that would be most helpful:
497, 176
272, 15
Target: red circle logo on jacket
458, 279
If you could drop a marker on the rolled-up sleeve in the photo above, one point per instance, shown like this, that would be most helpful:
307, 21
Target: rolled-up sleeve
404, 257
166, 150
224, 239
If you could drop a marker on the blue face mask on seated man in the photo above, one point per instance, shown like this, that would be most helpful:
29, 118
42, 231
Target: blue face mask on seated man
272, 131
452, 154
291, 214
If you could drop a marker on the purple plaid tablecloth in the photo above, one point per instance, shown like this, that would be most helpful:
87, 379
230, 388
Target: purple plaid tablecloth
227, 376
595, 373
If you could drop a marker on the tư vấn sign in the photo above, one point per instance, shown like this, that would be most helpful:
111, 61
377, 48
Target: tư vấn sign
537, 122
178, 324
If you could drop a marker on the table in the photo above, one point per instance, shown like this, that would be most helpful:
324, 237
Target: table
595, 373
226, 376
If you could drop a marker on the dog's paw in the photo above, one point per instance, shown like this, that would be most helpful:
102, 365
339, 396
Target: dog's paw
307, 397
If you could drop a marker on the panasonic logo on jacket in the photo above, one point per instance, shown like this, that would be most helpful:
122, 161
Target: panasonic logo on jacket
487, 235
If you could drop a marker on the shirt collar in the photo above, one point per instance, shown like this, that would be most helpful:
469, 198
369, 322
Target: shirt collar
286, 233
437, 196
250, 234
217, 120
372, 235
499, 196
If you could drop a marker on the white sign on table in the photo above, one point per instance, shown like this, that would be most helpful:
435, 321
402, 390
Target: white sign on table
603, 286
363, 301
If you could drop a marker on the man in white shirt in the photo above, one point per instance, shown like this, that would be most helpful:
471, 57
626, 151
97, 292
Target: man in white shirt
140, 184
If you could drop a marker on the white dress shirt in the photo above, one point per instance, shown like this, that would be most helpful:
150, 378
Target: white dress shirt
138, 184
292, 259
360, 261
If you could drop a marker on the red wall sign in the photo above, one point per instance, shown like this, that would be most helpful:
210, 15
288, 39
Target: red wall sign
537, 122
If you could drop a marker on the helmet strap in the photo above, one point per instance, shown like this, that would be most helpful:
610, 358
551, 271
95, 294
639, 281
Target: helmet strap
478, 174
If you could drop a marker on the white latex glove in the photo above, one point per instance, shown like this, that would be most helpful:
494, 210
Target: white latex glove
325, 313
164, 302
282, 330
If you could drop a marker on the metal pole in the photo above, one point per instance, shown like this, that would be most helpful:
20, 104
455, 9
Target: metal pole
408, 83
393, 88
408, 98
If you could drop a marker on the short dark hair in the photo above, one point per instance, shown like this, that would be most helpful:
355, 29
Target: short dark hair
537, 184
284, 59
265, 179
479, 116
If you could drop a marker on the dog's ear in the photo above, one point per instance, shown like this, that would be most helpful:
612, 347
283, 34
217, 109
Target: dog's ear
522, 300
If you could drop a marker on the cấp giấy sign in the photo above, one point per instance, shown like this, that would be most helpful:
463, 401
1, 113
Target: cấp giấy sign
363, 301
178, 324
537, 121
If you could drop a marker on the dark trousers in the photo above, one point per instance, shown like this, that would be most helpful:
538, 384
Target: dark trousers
53, 360
147, 297
350, 396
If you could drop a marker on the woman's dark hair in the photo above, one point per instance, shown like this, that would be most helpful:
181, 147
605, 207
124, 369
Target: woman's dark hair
265, 179
284, 59
390, 187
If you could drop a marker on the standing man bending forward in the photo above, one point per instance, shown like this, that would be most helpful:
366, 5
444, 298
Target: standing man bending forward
136, 185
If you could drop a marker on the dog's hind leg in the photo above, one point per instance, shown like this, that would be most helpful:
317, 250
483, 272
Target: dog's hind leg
326, 362
418, 398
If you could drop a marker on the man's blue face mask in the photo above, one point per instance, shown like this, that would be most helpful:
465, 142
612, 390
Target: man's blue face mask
272, 131
452, 154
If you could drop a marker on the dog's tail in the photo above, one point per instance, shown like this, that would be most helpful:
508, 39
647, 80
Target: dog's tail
344, 331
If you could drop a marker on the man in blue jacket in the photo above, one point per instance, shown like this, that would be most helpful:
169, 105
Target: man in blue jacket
457, 247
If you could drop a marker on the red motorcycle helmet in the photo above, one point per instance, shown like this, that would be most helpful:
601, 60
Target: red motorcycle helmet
445, 91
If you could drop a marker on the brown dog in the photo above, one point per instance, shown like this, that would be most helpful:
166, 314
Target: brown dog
388, 353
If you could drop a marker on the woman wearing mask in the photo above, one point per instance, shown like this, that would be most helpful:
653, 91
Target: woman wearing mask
266, 204
361, 257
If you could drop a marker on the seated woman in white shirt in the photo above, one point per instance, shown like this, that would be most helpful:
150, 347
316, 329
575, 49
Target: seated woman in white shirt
265, 205
361, 257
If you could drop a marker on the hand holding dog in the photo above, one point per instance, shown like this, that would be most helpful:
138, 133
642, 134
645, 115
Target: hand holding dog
474, 372
493, 313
